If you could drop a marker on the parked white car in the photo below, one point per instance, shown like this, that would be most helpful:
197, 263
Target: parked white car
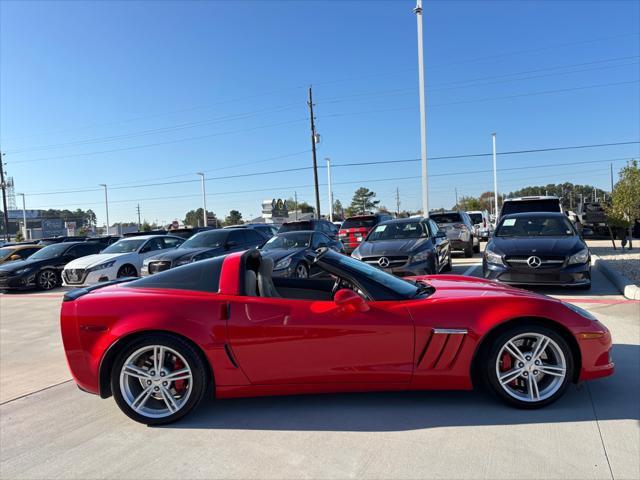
482, 223
122, 259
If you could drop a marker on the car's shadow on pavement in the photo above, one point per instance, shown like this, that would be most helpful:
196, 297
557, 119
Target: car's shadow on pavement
611, 398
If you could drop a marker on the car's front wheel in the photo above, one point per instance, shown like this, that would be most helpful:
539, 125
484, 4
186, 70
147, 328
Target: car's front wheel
529, 366
47, 279
127, 271
158, 379
302, 271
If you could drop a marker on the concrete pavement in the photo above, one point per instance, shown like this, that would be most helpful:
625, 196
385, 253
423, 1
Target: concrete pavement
52, 430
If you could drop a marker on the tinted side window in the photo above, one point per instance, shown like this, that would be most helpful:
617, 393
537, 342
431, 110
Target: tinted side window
236, 236
153, 244
254, 238
203, 276
25, 252
82, 250
433, 228
171, 242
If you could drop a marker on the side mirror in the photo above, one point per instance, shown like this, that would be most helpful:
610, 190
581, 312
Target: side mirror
350, 301
441, 234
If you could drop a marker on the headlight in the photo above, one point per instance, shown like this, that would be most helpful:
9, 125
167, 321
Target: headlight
183, 261
356, 254
580, 311
283, 264
102, 266
22, 271
420, 257
581, 257
492, 257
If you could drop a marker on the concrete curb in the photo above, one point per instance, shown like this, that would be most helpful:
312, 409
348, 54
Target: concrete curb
626, 286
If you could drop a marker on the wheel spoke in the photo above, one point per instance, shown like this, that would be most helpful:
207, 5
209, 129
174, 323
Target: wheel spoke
511, 375
534, 393
137, 372
552, 370
541, 345
169, 400
182, 374
158, 358
514, 351
141, 399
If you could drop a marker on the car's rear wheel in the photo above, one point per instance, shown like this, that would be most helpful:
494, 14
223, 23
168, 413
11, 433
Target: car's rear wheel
449, 265
127, 271
47, 279
476, 248
302, 271
468, 249
158, 379
529, 366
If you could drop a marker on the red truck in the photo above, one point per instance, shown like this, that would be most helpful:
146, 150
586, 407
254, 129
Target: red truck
355, 229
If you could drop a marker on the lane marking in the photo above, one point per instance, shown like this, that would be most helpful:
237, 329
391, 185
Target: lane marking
37, 391
469, 270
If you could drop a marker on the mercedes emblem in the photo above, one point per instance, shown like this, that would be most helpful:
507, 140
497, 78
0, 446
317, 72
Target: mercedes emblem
383, 262
534, 262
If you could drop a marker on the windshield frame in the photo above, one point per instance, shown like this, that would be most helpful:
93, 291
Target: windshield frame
224, 234
541, 218
140, 242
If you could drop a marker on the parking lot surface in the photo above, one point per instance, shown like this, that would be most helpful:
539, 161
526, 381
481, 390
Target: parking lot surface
50, 429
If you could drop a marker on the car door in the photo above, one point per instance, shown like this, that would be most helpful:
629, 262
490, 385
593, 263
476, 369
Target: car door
253, 238
150, 248
293, 341
441, 244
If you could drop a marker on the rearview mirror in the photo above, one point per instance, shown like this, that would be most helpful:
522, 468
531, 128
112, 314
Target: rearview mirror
350, 301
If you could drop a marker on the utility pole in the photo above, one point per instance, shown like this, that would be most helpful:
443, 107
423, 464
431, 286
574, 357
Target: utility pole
139, 224
24, 218
295, 198
106, 205
457, 207
313, 152
423, 115
495, 175
204, 200
595, 195
330, 191
3, 185
611, 172
397, 202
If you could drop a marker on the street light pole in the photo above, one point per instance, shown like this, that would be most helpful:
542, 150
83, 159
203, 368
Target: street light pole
24, 217
423, 115
106, 205
204, 200
495, 175
330, 191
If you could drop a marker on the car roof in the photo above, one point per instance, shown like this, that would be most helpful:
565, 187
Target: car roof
532, 197
403, 220
147, 237
295, 232
446, 212
535, 214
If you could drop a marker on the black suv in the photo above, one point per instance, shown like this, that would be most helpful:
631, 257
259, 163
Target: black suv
317, 225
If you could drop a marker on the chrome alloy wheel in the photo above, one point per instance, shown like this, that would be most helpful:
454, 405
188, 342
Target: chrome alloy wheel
531, 367
47, 280
301, 271
156, 381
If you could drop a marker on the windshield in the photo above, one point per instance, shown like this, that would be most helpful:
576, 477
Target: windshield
476, 218
292, 227
124, 246
445, 217
206, 240
392, 231
523, 206
402, 287
535, 227
359, 222
50, 251
6, 251
288, 241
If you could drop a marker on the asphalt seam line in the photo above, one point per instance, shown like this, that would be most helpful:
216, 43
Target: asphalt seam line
469, 270
37, 391
604, 448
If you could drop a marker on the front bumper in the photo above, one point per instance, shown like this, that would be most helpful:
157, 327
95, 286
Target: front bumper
595, 350
88, 279
571, 275
408, 269
18, 282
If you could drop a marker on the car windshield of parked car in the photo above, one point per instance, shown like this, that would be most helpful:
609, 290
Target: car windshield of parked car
359, 222
535, 227
392, 231
524, 206
50, 251
213, 239
288, 241
446, 217
476, 218
6, 251
293, 227
124, 246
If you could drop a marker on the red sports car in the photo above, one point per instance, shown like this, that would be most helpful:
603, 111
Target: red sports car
225, 327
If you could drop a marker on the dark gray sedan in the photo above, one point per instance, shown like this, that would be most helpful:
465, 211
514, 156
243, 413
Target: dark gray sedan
405, 247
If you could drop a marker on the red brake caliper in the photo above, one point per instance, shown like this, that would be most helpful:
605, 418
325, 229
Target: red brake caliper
179, 385
507, 363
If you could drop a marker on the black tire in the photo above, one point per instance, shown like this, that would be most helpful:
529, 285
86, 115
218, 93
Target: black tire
468, 250
200, 378
127, 270
297, 273
449, 265
583, 287
489, 361
47, 279
476, 248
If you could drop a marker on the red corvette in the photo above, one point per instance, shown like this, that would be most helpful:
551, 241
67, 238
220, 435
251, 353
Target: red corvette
225, 327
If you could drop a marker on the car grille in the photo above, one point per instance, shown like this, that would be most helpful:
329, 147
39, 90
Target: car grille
394, 260
155, 267
547, 261
74, 275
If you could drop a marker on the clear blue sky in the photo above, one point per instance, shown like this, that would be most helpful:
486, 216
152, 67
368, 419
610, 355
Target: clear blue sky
166, 89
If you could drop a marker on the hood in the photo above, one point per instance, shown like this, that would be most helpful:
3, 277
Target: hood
278, 254
93, 260
557, 246
403, 246
174, 254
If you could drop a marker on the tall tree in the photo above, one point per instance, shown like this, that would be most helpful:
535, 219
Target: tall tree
193, 218
624, 208
469, 203
363, 201
234, 218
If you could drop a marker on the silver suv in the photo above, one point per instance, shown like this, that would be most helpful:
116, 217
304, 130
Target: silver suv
459, 229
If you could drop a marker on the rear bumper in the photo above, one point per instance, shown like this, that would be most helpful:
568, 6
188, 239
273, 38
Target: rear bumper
572, 275
458, 244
